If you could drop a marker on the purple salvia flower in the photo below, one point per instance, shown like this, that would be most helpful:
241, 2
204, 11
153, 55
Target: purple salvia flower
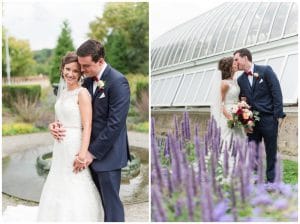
170, 184
225, 162
261, 199
176, 127
178, 208
190, 194
183, 134
176, 161
220, 210
233, 201
156, 164
281, 204
187, 125
194, 181
160, 214
260, 165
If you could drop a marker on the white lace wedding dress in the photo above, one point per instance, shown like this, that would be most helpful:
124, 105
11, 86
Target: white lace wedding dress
66, 196
231, 99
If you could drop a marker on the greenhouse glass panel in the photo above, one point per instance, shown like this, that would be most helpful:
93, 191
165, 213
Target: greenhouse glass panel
193, 88
154, 85
170, 93
276, 64
234, 30
182, 92
260, 62
289, 80
229, 24
214, 25
267, 22
252, 33
292, 22
279, 21
245, 26
212, 90
165, 89
204, 33
159, 91
203, 88
197, 26
196, 42
219, 30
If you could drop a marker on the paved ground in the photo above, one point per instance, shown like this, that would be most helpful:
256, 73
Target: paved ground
11, 144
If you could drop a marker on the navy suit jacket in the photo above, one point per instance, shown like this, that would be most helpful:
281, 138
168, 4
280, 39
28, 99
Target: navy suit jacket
109, 140
265, 94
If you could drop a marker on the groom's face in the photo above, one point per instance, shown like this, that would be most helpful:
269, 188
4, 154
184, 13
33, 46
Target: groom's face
240, 61
89, 67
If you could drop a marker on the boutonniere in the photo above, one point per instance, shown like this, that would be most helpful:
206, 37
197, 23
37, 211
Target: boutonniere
256, 75
101, 84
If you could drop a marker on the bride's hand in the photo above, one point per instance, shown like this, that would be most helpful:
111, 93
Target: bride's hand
249, 130
79, 163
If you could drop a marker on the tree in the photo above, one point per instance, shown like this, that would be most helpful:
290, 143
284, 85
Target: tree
124, 30
64, 45
43, 59
21, 57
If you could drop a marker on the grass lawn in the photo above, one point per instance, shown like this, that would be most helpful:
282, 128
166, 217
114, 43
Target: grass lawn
290, 172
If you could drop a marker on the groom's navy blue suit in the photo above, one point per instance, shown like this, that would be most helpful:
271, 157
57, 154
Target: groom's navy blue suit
265, 97
109, 141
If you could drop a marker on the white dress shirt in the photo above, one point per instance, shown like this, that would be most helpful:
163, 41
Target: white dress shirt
99, 77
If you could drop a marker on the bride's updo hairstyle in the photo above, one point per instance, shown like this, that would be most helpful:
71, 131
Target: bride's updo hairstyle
70, 57
225, 66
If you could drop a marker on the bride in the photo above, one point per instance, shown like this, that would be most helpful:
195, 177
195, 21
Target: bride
68, 195
229, 98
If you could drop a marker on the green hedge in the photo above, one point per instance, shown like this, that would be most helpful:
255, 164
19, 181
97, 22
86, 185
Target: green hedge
141, 87
12, 92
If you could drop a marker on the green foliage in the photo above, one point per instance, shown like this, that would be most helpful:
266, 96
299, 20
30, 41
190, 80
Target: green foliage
43, 59
133, 79
290, 172
124, 30
141, 86
12, 92
18, 128
21, 57
139, 127
64, 45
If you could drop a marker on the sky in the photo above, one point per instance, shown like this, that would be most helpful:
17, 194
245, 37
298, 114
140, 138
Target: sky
39, 21
166, 14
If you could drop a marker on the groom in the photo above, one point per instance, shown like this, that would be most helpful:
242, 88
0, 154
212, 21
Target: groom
108, 149
261, 88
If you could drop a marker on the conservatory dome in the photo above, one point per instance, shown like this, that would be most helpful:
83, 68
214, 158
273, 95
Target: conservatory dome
227, 27
184, 59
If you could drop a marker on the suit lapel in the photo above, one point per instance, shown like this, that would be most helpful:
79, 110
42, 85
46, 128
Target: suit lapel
254, 79
104, 78
246, 81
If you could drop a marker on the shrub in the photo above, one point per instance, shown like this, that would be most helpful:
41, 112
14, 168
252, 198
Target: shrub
18, 128
12, 92
141, 87
27, 109
142, 105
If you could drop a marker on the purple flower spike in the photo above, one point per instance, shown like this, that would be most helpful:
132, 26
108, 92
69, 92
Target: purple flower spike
160, 215
220, 210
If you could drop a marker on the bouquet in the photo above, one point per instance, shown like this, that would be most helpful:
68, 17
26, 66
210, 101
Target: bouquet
243, 116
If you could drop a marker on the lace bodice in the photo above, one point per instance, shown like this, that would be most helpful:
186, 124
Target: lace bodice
67, 109
232, 95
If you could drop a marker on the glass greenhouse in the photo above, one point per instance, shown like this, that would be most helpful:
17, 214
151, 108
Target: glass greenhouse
184, 60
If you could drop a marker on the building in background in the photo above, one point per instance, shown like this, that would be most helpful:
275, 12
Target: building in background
184, 60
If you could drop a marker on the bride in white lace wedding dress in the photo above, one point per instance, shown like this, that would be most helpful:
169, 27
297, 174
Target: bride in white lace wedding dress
229, 98
66, 196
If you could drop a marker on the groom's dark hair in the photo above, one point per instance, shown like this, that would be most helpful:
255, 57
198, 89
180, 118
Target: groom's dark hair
244, 52
91, 48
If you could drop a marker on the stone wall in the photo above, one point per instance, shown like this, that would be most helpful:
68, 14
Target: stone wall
288, 133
